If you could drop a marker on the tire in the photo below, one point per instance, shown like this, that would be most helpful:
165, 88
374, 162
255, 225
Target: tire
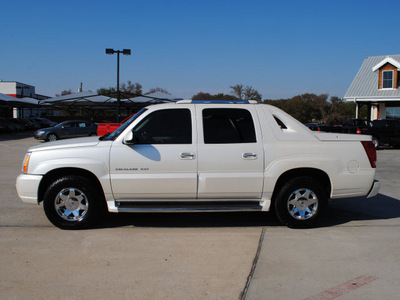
375, 141
93, 134
300, 202
52, 137
72, 202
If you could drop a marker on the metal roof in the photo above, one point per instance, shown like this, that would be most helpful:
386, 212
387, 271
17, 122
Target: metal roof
218, 101
365, 84
6, 100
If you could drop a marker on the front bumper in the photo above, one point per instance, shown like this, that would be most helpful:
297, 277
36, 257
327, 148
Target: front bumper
39, 135
28, 187
374, 189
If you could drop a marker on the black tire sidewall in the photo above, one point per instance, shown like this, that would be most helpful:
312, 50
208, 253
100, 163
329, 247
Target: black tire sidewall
288, 188
86, 187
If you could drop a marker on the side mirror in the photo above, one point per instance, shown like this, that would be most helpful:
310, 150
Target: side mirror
129, 139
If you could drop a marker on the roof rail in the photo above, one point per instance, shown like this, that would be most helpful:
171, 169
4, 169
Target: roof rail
217, 101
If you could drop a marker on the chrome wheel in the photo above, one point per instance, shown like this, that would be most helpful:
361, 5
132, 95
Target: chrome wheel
302, 204
71, 204
52, 137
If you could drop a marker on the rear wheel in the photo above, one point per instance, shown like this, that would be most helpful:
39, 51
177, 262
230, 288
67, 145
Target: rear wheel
72, 202
300, 202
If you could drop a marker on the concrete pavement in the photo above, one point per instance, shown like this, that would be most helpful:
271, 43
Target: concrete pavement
352, 255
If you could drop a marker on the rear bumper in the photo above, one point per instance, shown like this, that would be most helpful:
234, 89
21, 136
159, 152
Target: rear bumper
374, 189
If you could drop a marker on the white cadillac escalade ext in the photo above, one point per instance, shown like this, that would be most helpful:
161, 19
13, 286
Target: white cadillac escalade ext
199, 156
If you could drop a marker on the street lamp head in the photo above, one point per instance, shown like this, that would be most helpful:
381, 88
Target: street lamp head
110, 51
126, 52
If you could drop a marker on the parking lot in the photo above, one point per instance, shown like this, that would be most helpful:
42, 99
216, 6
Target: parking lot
354, 254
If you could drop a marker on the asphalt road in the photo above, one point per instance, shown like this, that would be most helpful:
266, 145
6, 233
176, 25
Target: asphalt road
352, 255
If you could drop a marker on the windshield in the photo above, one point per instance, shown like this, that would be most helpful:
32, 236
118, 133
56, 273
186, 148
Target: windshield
60, 124
121, 128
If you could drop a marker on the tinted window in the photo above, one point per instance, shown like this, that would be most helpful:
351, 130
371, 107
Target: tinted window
69, 125
169, 126
223, 126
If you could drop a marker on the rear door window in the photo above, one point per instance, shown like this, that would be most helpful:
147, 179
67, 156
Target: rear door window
228, 126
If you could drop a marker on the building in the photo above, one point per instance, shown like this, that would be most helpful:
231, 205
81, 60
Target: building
26, 102
19, 90
377, 85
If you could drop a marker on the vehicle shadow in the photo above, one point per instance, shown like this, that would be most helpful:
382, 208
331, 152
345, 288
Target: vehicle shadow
380, 207
340, 211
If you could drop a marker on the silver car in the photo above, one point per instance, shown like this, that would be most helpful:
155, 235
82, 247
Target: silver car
67, 129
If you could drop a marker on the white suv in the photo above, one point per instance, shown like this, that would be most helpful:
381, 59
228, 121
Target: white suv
199, 156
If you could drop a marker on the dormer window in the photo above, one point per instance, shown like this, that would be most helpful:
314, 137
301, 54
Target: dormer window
387, 79
389, 70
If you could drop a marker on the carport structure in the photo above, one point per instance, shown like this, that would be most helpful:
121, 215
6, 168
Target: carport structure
18, 104
92, 102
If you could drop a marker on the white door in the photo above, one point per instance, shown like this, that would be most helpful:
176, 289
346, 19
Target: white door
230, 153
162, 163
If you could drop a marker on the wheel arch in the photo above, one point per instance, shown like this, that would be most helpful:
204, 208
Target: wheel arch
62, 172
316, 174
50, 133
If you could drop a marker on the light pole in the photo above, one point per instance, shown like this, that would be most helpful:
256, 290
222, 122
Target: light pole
124, 52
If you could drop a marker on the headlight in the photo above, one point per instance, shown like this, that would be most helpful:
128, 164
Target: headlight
40, 132
26, 162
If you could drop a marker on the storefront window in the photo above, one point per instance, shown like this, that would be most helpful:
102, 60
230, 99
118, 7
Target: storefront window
393, 113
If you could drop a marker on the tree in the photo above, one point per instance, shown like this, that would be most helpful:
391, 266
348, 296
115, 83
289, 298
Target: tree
316, 108
238, 91
131, 88
64, 92
207, 96
124, 88
157, 89
245, 93
250, 93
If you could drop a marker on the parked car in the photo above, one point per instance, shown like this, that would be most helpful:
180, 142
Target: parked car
386, 132
357, 126
32, 125
67, 129
11, 126
44, 123
18, 124
319, 127
199, 156
109, 127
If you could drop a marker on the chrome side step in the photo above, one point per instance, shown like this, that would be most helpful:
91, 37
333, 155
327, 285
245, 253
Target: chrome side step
159, 207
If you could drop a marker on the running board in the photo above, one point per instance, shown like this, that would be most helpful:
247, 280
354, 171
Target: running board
159, 207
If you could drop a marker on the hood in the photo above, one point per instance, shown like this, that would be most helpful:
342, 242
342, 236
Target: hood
336, 137
67, 143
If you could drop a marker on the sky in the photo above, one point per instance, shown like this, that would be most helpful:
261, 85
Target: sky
280, 48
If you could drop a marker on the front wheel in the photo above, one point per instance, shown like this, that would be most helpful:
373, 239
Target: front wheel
71, 202
300, 202
52, 137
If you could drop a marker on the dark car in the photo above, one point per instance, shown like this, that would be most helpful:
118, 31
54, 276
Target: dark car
43, 122
359, 126
386, 132
67, 129
319, 127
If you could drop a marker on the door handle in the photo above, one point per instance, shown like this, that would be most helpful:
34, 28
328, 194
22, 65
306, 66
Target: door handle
249, 155
187, 155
